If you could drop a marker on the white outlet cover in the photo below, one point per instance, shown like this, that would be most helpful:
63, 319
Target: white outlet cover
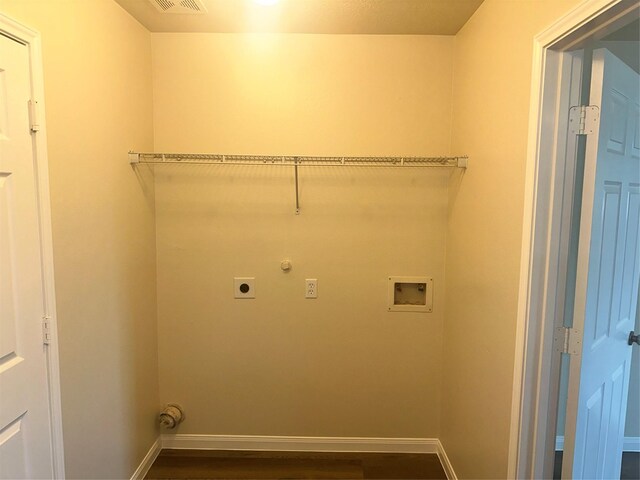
308, 293
244, 287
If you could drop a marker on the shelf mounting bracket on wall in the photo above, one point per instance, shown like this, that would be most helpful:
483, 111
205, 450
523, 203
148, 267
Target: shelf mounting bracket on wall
295, 169
154, 158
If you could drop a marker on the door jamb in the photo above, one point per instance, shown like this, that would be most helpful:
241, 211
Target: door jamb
32, 40
544, 232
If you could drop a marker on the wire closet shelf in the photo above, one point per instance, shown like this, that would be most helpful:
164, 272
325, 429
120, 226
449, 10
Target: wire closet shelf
140, 158
136, 158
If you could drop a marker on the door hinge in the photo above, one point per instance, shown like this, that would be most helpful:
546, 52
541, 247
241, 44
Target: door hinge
568, 340
583, 119
46, 330
34, 122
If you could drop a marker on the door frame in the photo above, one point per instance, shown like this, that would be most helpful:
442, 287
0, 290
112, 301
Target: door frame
549, 191
31, 39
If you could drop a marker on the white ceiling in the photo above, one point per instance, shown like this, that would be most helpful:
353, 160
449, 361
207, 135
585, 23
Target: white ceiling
425, 17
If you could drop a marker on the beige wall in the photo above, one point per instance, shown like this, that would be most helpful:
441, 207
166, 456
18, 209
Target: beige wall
282, 365
492, 78
97, 68
302, 94
340, 365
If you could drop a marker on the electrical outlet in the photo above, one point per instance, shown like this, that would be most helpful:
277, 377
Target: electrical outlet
244, 287
312, 288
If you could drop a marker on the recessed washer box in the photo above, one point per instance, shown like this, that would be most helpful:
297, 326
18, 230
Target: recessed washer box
244, 287
410, 294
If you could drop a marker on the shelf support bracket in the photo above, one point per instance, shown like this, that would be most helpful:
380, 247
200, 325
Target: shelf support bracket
295, 171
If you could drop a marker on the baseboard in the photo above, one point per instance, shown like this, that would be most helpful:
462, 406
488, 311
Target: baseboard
445, 462
300, 444
630, 444
148, 460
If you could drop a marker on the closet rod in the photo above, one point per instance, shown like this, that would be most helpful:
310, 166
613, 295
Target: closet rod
217, 159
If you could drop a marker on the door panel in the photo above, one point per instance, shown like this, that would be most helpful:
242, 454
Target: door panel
616, 416
607, 277
591, 448
8, 339
631, 262
605, 248
635, 145
25, 437
11, 445
617, 132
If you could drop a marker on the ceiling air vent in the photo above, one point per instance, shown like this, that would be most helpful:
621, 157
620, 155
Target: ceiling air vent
179, 6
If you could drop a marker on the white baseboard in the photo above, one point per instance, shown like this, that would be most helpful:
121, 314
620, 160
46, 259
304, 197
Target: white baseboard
300, 444
148, 460
445, 462
295, 444
630, 444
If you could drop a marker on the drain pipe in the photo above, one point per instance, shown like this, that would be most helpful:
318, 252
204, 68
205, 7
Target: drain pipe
171, 416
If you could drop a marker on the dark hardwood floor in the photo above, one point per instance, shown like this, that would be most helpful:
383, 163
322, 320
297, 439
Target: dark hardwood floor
208, 464
630, 466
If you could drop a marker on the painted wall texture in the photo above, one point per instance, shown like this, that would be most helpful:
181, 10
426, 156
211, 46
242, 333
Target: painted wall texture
340, 365
98, 106
491, 95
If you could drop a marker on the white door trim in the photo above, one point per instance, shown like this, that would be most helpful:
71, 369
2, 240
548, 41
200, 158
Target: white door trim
31, 39
542, 243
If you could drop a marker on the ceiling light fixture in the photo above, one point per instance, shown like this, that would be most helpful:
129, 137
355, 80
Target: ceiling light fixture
266, 3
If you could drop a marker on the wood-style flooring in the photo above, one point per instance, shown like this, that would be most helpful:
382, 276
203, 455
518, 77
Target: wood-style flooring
208, 464
630, 466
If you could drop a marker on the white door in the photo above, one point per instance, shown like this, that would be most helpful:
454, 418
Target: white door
607, 276
25, 437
